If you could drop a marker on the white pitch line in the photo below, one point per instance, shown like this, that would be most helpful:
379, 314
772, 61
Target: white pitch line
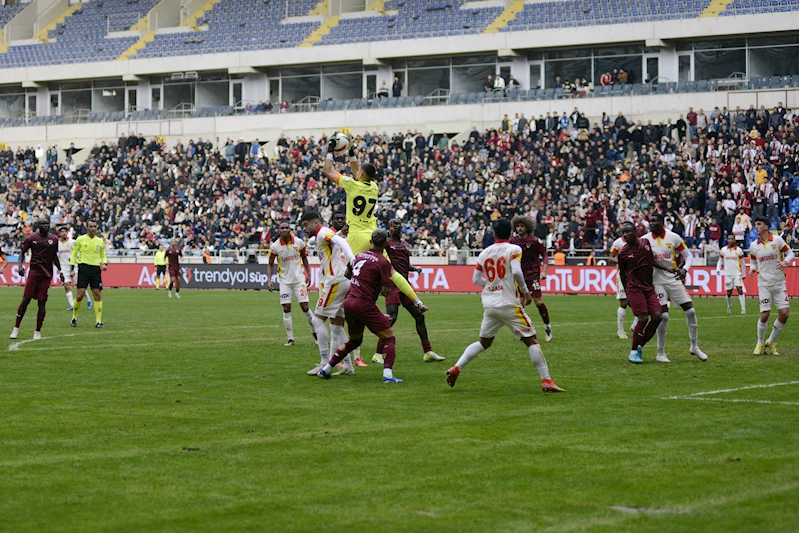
731, 400
14, 346
162, 343
748, 387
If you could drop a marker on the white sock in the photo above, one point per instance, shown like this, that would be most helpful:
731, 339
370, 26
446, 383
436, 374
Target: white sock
635, 323
356, 353
775, 332
537, 357
471, 351
729, 302
288, 325
387, 373
70, 299
308, 317
337, 338
621, 312
664, 322
322, 336
742, 299
88, 299
762, 327
693, 328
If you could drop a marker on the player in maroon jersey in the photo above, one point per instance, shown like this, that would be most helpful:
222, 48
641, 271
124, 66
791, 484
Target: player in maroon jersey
534, 254
636, 262
173, 255
44, 254
369, 275
399, 253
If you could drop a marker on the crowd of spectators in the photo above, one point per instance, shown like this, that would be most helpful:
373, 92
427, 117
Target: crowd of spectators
708, 174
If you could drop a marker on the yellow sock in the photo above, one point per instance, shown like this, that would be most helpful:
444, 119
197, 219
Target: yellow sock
157, 283
98, 312
403, 285
76, 308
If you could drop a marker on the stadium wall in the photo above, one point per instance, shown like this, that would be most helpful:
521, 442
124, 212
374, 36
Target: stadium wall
449, 119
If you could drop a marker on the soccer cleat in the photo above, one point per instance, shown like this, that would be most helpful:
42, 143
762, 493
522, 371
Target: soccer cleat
548, 385
89, 305
15, 333
99, 325
322, 374
359, 362
289, 343
431, 356
452, 375
73, 322
170, 294
743, 311
37, 335
315, 370
177, 295
729, 309
699, 353
635, 358
759, 349
621, 334
771, 348
548, 333
392, 379
377, 358
345, 372
70, 308
662, 358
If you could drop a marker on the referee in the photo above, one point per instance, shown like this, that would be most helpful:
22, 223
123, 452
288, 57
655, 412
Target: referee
88, 253
160, 266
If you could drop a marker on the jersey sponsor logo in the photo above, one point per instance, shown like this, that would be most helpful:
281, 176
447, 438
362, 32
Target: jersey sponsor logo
766, 301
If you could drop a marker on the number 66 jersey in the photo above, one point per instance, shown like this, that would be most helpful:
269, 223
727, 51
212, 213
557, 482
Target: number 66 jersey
494, 263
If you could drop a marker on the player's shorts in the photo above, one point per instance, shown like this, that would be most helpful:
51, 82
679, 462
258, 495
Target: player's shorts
731, 282
90, 275
67, 276
364, 314
777, 295
534, 284
395, 297
359, 241
512, 316
643, 302
174, 272
621, 294
672, 290
37, 287
299, 291
160, 270
331, 299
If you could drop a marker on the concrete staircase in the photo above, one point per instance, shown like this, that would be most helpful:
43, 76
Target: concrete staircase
138, 45
322, 8
513, 9
713, 10
320, 32
376, 5
42, 35
202, 10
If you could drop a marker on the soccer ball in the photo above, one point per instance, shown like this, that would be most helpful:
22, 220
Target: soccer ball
342, 142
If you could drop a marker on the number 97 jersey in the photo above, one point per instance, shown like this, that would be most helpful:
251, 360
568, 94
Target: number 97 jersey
361, 204
494, 263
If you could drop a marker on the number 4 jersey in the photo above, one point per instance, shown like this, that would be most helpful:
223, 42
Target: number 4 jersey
494, 263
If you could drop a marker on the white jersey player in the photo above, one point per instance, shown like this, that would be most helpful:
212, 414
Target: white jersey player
621, 294
288, 251
731, 258
665, 247
334, 255
769, 256
499, 272
65, 244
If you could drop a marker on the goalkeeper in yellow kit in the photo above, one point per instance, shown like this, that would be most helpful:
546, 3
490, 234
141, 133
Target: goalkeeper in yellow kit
362, 195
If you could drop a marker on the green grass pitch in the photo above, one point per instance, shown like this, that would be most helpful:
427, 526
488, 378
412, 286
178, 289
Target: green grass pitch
189, 415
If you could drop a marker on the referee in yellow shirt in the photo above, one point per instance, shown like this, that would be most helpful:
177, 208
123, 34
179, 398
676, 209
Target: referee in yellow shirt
160, 266
88, 253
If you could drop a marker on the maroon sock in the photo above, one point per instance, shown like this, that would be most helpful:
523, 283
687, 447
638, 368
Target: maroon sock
544, 312
343, 352
40, 319
391, 353
426, 346
638, 335
20, 313
381, 346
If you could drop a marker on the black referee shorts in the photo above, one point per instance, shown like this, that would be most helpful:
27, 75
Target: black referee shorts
160, 270
90, 275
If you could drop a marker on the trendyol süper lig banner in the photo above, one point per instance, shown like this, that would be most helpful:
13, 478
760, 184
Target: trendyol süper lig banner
702, 281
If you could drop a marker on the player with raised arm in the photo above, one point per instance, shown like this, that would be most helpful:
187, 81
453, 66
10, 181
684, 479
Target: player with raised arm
621, 293
65, 245
159, 260
88, 253
43, 246
362, 193
769, 256
731, 256
665, 246
499, 272
370, 272
334, 255
173, 255
534, 255
399, 253
289, 251
636, 264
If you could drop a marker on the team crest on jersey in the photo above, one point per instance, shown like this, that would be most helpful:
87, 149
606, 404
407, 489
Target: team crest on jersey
668, 245
773, 246
49, 242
